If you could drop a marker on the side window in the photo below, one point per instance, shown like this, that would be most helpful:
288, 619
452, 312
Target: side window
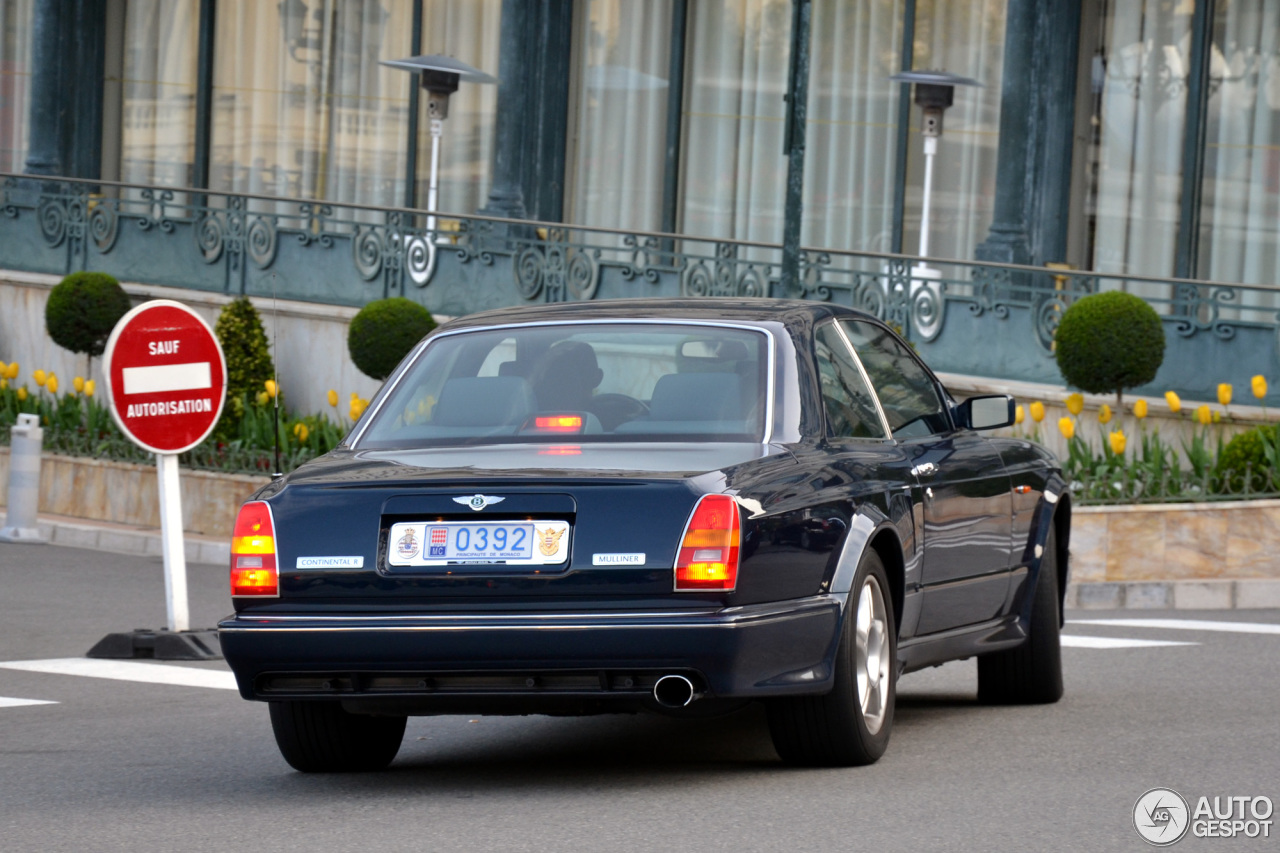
851, 410
910, 400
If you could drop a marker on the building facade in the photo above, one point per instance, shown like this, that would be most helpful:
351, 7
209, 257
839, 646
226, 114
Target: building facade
1148, 132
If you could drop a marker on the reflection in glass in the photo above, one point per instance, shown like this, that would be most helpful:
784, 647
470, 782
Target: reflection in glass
15, 81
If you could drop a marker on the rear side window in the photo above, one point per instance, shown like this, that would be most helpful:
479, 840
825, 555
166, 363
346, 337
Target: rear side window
907, 392
851, 410
579, 382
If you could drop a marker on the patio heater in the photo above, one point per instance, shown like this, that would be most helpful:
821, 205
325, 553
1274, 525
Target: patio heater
440, 76
934, 93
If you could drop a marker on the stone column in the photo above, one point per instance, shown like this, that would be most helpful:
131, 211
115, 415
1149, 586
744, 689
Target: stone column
506, 198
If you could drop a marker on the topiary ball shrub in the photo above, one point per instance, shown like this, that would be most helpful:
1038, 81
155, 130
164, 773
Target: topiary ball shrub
384, 332
82, 310
1107, 342
249, 365
1247, 452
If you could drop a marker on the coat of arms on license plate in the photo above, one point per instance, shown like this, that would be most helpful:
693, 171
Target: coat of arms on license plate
408, 544
549, 540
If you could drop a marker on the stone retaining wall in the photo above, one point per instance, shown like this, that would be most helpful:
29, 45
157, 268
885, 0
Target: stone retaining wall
122, 493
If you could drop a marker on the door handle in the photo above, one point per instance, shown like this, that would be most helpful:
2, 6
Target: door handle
925, 469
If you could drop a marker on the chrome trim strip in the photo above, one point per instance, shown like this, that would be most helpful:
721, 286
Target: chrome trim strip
385, 393
729, 617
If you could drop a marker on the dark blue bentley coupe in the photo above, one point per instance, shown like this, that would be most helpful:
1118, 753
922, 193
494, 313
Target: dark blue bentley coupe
679, 506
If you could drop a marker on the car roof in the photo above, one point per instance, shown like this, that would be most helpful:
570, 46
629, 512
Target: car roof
794, 313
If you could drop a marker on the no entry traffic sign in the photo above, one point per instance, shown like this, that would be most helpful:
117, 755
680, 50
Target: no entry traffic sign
166, 379
166, 376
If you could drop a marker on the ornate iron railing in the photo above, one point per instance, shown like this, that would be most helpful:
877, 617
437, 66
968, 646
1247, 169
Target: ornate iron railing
984, 319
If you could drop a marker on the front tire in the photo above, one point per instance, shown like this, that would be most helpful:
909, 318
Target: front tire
1030, 674
320, 737
849, 726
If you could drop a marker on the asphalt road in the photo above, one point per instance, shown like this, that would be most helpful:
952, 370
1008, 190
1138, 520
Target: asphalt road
140, 766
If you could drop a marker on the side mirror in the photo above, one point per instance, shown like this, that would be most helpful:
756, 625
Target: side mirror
988, 412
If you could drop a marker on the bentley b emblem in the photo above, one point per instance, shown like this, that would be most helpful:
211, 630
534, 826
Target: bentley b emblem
478, 502
549, 540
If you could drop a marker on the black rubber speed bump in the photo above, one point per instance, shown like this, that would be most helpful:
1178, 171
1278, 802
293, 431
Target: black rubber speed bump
160, 645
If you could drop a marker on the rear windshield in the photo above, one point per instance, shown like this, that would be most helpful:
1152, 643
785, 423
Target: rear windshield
579, 383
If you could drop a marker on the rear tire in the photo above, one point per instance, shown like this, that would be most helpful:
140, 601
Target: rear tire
1030, 674
320, 737
849, 726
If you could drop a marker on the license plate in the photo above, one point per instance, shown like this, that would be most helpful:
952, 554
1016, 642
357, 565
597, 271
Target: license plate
447, 543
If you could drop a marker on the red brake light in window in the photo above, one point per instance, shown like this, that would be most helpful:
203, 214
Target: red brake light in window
708, 558
558, 423
253, 552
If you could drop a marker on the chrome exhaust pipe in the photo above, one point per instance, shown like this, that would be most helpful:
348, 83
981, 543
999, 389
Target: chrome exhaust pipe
673, 691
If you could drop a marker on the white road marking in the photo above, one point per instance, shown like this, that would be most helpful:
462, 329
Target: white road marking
1077, 642
6, 702
127, 670
1185, 625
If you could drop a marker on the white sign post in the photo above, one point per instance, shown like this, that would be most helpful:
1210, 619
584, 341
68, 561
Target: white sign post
166, 381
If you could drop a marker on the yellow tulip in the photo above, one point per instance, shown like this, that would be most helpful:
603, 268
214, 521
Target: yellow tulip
52, 383
1259, 384
1068, 428
88, 388
22, 393
1075, 403
354, 411
333, 398
78, 384
272, 388
4, 384
262, 398
40, 377
1224, 394
1175, 404
4, 370
355, 396
1204, 415
1104, 414
1140, 409
1117, 442
301, 432
1019, 415
1037, 411
12, 373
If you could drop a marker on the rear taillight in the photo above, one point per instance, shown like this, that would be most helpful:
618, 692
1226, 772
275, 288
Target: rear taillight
253, 552
708, 557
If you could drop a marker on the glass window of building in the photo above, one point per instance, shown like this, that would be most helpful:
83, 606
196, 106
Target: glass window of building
965, 39
1139, 72
15, 81
620, 113
734, 174
301, 106
852, 129
468, 30
157, 144
1240, 200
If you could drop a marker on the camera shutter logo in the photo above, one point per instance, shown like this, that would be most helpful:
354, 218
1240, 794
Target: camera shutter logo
1161, 816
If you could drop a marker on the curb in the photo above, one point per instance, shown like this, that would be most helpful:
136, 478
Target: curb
1245, 594
122, 539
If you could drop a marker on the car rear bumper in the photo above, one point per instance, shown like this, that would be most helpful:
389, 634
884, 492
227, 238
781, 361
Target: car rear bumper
443, 661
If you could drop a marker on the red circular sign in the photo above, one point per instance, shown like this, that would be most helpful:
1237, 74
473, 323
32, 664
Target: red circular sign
166, 376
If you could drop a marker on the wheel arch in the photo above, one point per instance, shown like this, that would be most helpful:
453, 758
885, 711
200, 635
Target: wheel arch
871, 529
